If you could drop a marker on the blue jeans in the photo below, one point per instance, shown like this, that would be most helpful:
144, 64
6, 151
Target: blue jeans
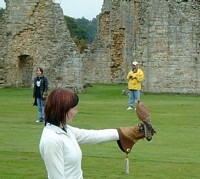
40, 106
134, 96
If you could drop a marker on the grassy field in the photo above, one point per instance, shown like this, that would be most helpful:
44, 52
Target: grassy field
174, 152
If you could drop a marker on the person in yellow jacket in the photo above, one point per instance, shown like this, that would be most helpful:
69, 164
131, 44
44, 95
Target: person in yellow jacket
135, 78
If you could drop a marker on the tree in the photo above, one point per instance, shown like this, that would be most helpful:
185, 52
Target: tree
1, 12
82, 31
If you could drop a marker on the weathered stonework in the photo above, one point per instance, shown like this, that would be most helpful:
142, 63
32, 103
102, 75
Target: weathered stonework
163, 35
36, 35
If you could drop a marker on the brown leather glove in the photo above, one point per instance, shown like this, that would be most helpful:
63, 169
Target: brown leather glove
128, 136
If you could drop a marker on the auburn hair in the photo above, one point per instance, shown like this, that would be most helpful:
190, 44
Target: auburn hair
58, 104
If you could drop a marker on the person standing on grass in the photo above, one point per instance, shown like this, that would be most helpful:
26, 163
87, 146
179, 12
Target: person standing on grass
135, 78
40, 89
59, 142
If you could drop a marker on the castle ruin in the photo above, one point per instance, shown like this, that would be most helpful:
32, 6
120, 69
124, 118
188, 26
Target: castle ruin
162, 35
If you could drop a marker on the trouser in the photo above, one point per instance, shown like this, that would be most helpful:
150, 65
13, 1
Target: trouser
134, 96
40, 106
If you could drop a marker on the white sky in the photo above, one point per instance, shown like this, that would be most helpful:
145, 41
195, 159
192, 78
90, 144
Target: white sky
77, 8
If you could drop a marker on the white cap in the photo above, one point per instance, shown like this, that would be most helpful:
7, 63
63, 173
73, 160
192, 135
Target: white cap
135, 63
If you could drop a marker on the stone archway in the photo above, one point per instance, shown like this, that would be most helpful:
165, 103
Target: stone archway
25, 70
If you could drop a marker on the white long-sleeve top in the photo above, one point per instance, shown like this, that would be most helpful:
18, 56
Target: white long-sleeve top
61, 152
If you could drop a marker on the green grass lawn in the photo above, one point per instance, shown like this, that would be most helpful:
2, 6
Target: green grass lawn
174, 152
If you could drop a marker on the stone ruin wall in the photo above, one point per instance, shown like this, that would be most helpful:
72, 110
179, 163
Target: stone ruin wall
110, 48
36, 35
170, 46
163, 35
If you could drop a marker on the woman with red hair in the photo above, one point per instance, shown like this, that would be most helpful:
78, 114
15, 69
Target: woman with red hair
59, 143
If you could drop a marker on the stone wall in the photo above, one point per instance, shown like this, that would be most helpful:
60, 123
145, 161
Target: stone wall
111, 49
37, 35
169, 43
162, 35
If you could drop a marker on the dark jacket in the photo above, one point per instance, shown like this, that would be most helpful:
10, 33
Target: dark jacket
43, 87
